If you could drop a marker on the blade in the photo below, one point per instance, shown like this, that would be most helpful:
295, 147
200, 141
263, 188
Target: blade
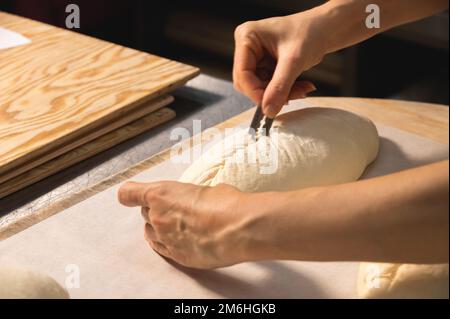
256, 121
260, 124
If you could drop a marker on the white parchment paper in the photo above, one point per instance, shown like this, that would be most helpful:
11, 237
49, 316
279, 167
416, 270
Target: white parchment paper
105, 242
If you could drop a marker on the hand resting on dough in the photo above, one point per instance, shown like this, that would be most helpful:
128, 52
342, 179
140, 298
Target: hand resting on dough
380, 219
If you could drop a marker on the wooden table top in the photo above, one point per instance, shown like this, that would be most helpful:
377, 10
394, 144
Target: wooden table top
427, 120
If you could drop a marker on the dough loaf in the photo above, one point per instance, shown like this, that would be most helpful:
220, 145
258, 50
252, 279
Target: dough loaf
378, 280
306, 147
21, 283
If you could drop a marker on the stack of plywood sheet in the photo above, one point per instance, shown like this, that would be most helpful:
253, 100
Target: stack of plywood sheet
66, 96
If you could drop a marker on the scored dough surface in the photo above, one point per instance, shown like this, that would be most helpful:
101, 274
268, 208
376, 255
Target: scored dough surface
308, 147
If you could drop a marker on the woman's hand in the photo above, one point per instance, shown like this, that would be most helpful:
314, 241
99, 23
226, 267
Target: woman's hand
271, 54
400, 218
199, 227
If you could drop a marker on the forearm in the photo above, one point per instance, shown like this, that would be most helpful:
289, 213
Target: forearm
343, 21
401, 217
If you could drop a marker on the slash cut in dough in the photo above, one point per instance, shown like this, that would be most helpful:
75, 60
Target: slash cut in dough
308, 147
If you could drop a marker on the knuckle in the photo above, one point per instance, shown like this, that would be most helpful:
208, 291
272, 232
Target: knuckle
155, 193
244, 30
240, 31
156, 221
247, 43
279, 88
149, 196
293, 57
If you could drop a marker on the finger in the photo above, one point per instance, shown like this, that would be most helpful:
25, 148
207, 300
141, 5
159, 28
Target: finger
246, 57
300, 90
149, 233
251, 86
145, 214
277, 92
160, 248
133, 194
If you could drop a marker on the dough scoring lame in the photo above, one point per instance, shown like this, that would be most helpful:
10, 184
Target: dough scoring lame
307, 147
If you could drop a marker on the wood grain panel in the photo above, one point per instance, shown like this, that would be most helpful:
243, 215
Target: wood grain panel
118, 121
425, 119
87, 150
63, 85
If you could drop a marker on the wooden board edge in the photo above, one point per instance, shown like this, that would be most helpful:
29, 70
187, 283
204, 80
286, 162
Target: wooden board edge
124, 119
86, 150
9, 228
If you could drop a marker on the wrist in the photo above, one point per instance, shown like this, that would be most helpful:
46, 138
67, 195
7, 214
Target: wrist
294, 225
253, 236
277, 225
342, 23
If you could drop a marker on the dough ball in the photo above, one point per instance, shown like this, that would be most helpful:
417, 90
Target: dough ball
308, 147
21, 283
378, 280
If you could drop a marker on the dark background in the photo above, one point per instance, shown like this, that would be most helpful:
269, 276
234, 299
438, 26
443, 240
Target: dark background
409, 62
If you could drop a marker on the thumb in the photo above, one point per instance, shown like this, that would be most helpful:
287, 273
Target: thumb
134, 194
277, 92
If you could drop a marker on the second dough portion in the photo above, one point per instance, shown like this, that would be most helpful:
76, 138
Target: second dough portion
22, 283
379, 280
307, 147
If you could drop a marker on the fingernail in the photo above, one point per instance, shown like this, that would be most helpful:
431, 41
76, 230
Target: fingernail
311, 88
268, 111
